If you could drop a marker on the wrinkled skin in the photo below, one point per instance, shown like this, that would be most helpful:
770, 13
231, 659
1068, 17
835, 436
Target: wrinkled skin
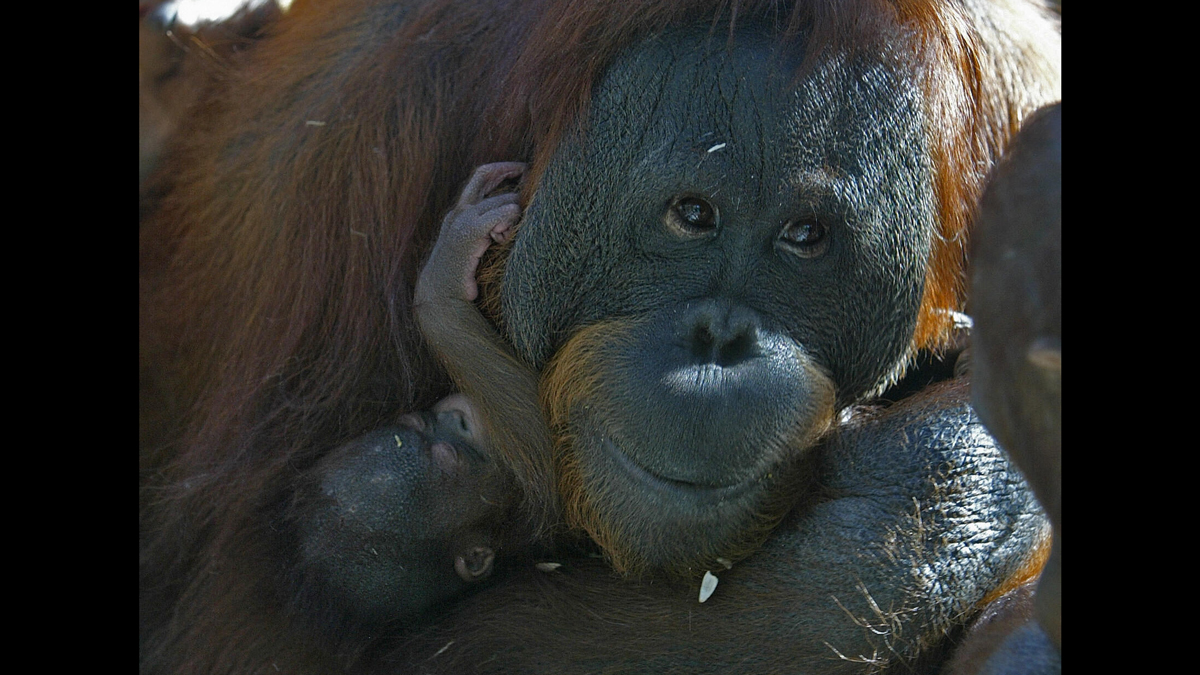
877, 458
714, 264
907, 501
692, 380
1016, 359
869, 485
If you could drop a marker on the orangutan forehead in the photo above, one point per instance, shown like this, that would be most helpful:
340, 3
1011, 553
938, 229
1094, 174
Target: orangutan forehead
745, 111
686, 93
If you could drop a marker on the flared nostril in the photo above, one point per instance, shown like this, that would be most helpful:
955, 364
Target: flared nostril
723, 336
702, 343
742, 347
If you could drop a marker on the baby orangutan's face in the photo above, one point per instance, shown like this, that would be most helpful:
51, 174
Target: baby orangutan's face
451, 434
462, 496
403, 518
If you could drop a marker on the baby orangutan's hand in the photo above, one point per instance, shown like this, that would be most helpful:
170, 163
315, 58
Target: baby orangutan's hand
467, 231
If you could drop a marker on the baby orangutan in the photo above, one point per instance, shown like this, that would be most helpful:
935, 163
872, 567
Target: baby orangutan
403, 519
502, 387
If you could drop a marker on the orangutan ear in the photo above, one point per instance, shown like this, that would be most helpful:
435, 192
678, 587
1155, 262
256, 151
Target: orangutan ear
475, 564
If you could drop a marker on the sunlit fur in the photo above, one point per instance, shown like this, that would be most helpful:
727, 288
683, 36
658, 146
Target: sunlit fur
292, 212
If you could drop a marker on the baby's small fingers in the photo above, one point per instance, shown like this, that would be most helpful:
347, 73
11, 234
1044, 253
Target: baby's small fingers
497, 201
500, 217
487, 178
472, 223
502, 171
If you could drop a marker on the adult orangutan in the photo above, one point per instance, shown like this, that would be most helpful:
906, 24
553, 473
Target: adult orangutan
738, 222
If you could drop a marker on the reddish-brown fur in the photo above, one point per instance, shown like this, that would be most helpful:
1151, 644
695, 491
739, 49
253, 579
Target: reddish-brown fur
264, 300
276, 277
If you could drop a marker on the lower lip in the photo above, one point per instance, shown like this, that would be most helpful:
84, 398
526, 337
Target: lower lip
694, 491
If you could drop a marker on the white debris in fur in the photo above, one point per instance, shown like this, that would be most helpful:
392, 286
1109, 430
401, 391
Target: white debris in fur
961, 321
547, 566
707, 586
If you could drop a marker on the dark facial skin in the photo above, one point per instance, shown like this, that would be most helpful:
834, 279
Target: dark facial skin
701, 322
277, 270
404, 518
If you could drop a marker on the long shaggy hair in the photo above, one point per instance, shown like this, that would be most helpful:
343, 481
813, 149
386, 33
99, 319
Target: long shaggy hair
277, 267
